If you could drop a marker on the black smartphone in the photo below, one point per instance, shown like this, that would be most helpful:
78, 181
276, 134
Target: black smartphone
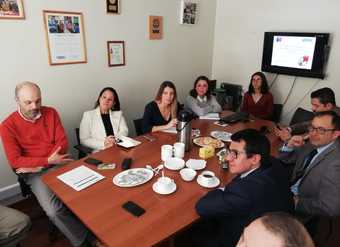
93, 161
278, 126
133, 208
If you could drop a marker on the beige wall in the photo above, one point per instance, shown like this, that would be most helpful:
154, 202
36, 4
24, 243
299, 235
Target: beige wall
239, 30
183, 54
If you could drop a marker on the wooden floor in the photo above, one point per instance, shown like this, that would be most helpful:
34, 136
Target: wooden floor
39, 237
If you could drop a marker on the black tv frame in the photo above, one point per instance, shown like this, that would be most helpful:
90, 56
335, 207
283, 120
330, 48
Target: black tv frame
319, 58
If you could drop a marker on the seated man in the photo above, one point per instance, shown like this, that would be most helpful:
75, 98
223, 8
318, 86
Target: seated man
322, 99
316, 174
261, 185
275, 229
14, 226
34, 140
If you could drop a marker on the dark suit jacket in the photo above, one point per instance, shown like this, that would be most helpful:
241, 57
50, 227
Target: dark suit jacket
243, 200
319, 190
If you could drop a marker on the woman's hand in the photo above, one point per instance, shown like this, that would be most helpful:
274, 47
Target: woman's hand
172, 123
296, 141
109, 141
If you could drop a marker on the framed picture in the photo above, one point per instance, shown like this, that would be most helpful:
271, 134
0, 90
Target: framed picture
188, 14
116, 53
65, 37
11, 9
112, 6
155, 27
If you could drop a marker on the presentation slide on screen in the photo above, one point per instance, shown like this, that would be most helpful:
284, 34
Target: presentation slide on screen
293, 51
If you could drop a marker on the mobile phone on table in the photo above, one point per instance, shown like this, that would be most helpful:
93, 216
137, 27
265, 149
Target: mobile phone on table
133, 208
93, 161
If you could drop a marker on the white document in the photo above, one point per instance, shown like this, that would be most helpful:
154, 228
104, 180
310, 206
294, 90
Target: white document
211, 116
171, 130
128, 142
80, 178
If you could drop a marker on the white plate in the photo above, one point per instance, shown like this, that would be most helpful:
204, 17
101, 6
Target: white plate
174, 164
221, 135
132, 177
212, 185
172, 190
208, 141
196, 164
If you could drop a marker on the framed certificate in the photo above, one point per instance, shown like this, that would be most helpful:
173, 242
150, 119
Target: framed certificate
116, 53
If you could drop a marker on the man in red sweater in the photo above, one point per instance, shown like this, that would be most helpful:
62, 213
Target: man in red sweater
34, 140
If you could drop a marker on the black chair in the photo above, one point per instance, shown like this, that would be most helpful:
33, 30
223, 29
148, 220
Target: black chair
138, 126
301, 115
232, 92
82, 150
277, 113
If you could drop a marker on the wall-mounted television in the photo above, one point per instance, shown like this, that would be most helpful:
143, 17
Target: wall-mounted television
298, 54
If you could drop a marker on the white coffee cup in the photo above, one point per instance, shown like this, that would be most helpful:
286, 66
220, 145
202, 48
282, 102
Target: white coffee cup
166, 152
164, 184
179, 148
207, 178
187, 174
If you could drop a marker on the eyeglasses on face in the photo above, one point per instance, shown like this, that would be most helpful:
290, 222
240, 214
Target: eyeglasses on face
234, 154
319, 130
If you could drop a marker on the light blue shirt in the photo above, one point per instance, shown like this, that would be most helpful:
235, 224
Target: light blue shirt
295, 187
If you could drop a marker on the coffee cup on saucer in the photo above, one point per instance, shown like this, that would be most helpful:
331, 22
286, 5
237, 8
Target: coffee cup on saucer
187, 174
208, 179
164, 185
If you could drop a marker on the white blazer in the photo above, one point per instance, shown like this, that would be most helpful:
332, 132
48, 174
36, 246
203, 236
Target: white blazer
92, 131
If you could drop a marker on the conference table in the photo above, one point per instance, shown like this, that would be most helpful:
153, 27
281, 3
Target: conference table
99, 206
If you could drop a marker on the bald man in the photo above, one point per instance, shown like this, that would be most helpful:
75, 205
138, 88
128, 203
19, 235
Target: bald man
34, 141
275, 229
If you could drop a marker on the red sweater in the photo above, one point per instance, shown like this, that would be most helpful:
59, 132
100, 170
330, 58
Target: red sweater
29, 144
261, 109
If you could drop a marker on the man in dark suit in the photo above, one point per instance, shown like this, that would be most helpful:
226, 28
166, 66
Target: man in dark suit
261, 185
322, 100
316, 175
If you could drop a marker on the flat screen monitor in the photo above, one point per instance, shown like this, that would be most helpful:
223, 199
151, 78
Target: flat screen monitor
298, 54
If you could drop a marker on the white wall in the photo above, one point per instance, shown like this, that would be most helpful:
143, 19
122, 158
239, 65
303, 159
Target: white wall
184, 53
239, 30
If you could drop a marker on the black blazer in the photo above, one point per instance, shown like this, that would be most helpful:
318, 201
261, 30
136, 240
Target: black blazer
243, 200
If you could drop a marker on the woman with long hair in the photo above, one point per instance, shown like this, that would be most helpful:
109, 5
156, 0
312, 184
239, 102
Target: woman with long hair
258, 101
200, 101
160, 114
100, 127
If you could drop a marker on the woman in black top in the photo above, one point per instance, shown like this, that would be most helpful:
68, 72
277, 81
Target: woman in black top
161, 113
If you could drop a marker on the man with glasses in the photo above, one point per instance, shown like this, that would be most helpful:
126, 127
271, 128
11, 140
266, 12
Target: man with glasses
261, 185
322, 100
315, 180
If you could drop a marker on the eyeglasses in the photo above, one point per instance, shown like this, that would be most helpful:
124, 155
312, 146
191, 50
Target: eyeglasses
319, 130
234, 154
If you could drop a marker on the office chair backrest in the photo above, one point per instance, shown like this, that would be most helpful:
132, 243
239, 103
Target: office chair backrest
138, 126
235, 91
301, 115
277, 113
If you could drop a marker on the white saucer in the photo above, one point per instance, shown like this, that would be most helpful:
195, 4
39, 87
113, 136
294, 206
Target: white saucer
174, 163
212, 185
172, 190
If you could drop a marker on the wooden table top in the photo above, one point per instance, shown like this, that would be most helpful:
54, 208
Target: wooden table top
99, 206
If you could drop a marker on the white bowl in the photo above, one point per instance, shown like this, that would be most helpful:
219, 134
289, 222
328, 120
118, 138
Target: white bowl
188, 174
174, 164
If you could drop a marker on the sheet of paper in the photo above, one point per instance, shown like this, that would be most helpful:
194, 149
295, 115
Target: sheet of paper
128, 142
80, 178
211, 116
171, 130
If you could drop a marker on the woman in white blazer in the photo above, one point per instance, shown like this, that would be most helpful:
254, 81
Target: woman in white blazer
100, 127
